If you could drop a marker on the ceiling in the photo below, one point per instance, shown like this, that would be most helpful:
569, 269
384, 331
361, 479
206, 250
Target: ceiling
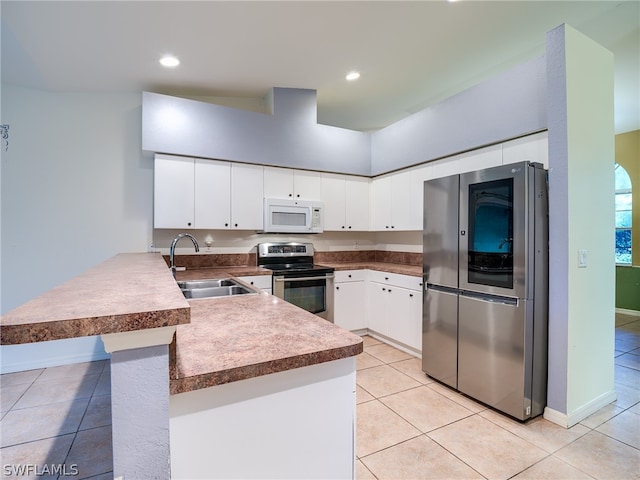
410, 54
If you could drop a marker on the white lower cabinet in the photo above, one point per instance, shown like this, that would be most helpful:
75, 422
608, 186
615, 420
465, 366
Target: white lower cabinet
395, 311
349, 300
263, 282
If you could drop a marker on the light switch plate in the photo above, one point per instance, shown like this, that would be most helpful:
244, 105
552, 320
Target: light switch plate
582, 259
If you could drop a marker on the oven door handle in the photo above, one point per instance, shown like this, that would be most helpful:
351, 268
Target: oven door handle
286, 279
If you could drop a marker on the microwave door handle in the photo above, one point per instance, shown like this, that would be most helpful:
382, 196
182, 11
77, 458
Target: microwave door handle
284, 279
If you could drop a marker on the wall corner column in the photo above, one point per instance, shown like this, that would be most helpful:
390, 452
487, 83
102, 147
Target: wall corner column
140, 402
581, 218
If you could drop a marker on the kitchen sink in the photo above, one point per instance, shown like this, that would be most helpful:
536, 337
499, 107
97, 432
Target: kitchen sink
218, 282
193, 289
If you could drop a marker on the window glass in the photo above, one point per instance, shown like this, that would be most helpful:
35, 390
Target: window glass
623, 215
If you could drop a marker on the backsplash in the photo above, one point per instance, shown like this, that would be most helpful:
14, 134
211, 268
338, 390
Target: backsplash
213, 260
217, 260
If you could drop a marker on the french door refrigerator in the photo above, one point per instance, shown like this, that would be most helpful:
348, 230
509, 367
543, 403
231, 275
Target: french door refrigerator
485, 271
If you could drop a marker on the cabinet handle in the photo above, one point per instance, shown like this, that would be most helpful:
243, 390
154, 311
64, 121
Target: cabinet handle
298, 195
349, 226
337, 288
236, 225
342, 226
386, 278
226, 224
188, 224
349, 275
387, 226
384, 289
393, 226
411, 294
389, 290
291, 195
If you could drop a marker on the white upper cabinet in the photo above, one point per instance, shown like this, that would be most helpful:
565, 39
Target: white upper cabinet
418, 176
533, 148
357, 203
346, 202
468, 162
246, 196
390, 202
212, 194
207, 194
290, 183
173, 189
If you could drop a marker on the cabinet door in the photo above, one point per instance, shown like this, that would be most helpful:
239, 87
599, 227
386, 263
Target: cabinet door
278, 182
400, 201
478, 159
381, 203
212, 194
356, 203
263, 282
247, 193
173, 191
405, 316
416, 204
307, 185
533, 148
377, 298
349, 311
333, 198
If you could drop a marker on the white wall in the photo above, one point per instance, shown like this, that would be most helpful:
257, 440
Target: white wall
245, 241
76, 190
581, 195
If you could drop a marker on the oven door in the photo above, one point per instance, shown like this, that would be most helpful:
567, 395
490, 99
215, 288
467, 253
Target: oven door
313, 293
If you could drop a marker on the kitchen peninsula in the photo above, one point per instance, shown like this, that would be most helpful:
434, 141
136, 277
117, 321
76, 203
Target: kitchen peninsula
250, 376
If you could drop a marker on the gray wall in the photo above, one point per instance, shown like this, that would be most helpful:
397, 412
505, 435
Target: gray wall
504, 107
290, 137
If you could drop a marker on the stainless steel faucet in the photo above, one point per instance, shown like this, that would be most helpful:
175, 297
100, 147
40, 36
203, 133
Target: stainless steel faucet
172, 250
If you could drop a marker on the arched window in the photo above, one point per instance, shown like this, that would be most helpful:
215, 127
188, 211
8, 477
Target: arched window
623, 215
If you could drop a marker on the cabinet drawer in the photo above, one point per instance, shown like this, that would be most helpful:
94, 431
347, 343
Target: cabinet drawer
396, 279
260, 281
349, 276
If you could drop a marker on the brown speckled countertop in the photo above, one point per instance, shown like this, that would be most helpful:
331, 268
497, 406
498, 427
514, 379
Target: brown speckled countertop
219, 272
235, 338
131, 291
412, 270
228, 339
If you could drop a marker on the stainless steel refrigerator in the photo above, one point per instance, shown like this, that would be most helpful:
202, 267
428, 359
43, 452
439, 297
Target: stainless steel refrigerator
485, 271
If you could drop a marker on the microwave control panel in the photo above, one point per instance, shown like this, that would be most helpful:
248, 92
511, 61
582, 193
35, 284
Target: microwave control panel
316, 220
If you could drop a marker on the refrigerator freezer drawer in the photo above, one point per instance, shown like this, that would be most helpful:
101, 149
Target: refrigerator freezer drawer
440, 336
494, 343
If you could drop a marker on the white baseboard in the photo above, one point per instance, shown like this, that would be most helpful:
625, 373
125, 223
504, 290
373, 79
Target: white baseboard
395, 343
11, 367
575, 417
624, 311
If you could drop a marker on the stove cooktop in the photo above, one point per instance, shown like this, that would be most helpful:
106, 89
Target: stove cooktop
298, 268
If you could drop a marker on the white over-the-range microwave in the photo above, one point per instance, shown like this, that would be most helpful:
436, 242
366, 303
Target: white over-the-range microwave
282, 215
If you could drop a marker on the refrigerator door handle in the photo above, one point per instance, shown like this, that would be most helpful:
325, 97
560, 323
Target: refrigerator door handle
441, 288
484, 297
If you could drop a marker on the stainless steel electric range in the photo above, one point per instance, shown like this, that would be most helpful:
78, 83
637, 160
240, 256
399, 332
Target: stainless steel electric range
296, 278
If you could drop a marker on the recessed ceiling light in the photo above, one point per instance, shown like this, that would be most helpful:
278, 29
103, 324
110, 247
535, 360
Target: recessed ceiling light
351, 76
169, 61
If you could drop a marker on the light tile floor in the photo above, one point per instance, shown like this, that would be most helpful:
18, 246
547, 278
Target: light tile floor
408, 426
58, 417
